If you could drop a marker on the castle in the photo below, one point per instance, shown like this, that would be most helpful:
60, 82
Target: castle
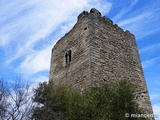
97, 50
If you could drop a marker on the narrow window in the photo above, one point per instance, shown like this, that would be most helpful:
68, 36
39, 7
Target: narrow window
68, 56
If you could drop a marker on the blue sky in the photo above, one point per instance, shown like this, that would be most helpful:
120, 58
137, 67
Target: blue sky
29, 29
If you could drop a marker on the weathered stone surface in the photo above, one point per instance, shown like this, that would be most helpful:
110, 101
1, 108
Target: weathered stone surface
101, 51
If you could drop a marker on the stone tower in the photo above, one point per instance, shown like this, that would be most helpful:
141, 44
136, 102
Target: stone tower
98, 50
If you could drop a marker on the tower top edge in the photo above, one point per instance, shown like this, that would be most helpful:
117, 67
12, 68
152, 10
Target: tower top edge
94, 13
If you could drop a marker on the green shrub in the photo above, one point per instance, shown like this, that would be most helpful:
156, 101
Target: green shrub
103, 102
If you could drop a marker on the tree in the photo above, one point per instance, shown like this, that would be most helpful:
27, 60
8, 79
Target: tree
47, 107
3, 99
103, 102
15, 100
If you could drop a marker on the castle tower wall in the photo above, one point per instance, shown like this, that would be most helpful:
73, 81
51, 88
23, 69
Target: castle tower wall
76, 72
115, 57
97, 50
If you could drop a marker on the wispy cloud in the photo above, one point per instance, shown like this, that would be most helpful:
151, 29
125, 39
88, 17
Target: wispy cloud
156, 110
129, 21
147, 32
38, 79
36, 61
150, 62
150, 48
141, 21
32, 22
124, 11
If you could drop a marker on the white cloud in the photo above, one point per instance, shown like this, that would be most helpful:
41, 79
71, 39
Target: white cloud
140, 21
33, 21
133, 19
11, 16
36, 62
156, 110
147, 32
40, 17
125, 11
38, 79
150, 62
150, 48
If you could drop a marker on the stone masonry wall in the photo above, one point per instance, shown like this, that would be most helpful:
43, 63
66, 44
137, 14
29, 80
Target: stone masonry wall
77, 72
114, 57
101, 51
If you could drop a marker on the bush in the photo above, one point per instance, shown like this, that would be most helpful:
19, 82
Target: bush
104, 102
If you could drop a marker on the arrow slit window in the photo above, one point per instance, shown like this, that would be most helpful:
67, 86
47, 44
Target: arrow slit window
68, 56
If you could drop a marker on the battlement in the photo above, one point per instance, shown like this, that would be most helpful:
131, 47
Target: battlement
83, 15
95, 14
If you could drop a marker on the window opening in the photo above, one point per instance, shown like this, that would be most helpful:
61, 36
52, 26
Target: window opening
68, 56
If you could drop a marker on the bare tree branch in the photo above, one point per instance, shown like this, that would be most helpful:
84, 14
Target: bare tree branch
15, 100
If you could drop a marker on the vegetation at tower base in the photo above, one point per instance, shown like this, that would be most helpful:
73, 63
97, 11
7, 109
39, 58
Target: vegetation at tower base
103, 102
48, 105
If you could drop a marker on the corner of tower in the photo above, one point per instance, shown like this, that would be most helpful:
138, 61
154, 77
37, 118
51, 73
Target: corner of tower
83, 15
127, 32
93, 12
